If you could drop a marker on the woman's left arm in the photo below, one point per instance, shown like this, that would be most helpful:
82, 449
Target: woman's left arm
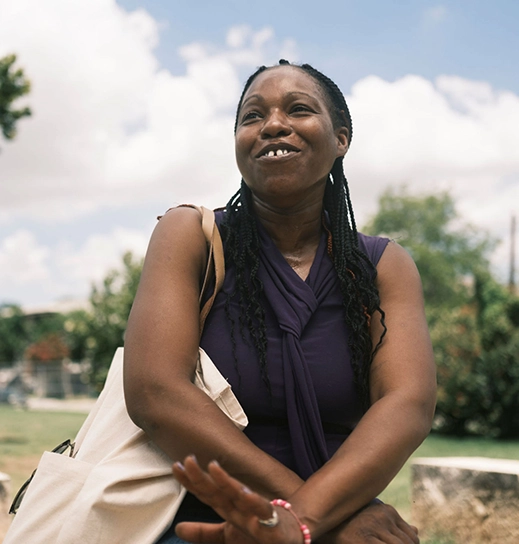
403, 396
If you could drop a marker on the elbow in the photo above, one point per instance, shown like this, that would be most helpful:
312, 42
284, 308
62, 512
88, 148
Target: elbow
425, 410
138, 406
142, 404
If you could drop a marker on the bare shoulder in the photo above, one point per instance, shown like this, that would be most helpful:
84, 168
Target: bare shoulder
178, 235
396, 270
181, 221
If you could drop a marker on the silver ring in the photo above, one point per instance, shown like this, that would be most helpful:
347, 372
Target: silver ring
270, 522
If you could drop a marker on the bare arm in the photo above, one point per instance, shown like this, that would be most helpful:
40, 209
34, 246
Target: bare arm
161, 348
403, 393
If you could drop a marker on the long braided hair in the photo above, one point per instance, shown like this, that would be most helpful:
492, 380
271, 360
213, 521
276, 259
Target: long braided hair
355, 271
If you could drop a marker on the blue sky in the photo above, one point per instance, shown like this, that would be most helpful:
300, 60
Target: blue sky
134, 100
354, 39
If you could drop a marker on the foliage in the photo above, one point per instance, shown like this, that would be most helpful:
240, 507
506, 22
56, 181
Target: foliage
457, 350
447, 253
18, 331
49, 348
473, 320
13, 85
477, 353
82, 335
95, 335
498, 325
12, 333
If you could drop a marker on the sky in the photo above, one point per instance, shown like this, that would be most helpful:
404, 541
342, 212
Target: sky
133, 108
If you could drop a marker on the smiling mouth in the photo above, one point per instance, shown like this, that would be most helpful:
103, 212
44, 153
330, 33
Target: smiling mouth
275, 153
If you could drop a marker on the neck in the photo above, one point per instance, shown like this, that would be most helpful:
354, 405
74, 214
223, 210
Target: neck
295, 231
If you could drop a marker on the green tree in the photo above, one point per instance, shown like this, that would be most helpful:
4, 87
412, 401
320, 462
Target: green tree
447, 253
13, 333
18, 331
13, 85
473, 320
96, 334
498, 326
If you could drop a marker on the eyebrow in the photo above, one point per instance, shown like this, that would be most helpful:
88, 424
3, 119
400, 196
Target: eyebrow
288, 95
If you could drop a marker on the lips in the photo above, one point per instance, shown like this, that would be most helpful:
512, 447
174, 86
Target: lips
279, 149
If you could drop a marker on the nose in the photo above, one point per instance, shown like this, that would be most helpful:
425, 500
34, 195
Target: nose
275, 124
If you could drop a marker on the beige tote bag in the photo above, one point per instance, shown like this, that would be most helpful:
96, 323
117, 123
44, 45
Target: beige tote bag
118, 487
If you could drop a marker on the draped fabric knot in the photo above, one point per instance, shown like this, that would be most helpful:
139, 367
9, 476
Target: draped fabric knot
294, 301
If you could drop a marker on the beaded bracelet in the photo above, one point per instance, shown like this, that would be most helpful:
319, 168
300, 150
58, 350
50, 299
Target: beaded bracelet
307, 537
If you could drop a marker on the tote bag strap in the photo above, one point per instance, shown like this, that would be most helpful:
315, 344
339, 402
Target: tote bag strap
215, 258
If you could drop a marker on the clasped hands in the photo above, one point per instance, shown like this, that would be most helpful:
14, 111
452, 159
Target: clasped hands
242, 508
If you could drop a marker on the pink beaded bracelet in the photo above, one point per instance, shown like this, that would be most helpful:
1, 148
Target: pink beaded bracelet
307, 537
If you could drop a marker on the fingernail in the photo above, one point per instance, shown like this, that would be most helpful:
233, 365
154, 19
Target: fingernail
246, 490
193, 457
180, 466
215, 463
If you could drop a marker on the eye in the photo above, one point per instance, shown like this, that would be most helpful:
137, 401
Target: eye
250, 116
300, 108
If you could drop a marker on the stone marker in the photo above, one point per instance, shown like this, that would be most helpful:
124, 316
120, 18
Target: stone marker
471, 499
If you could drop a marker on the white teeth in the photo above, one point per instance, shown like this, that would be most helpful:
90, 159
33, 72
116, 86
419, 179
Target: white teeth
277, 153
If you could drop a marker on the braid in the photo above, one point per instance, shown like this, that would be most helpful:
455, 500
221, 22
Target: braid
242, 245
355, 271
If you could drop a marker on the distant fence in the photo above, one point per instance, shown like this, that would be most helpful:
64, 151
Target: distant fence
56, 379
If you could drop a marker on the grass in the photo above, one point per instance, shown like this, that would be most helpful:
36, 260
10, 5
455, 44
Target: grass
25, 435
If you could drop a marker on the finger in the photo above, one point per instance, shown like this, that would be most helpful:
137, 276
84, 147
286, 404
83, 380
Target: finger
410, 532
228, 497
243, 498
401, 537
197, 481
185, 478
196, 532
399, 527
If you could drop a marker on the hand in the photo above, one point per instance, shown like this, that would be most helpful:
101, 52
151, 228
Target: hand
374, 524
238, 505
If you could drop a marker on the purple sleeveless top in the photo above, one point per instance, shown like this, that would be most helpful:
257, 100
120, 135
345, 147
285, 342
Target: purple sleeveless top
313, 405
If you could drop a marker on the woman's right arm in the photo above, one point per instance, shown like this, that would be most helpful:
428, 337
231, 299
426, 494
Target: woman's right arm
161, 350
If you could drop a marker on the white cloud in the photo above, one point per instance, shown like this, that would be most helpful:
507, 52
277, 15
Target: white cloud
34, 273
109, 127
449, 134
22, 260
100, 253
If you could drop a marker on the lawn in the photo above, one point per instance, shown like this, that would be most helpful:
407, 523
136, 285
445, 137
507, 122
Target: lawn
25, 435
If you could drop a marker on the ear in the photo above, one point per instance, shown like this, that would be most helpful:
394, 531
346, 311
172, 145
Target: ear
342, 135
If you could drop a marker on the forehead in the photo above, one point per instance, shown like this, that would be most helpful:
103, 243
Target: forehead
284, 79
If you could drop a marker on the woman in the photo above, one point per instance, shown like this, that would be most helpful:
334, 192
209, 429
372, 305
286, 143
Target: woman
321, 331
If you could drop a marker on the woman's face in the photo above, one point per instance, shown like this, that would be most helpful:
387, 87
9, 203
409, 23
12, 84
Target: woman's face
285, 141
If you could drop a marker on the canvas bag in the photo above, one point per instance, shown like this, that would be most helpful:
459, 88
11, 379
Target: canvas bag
118, 487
